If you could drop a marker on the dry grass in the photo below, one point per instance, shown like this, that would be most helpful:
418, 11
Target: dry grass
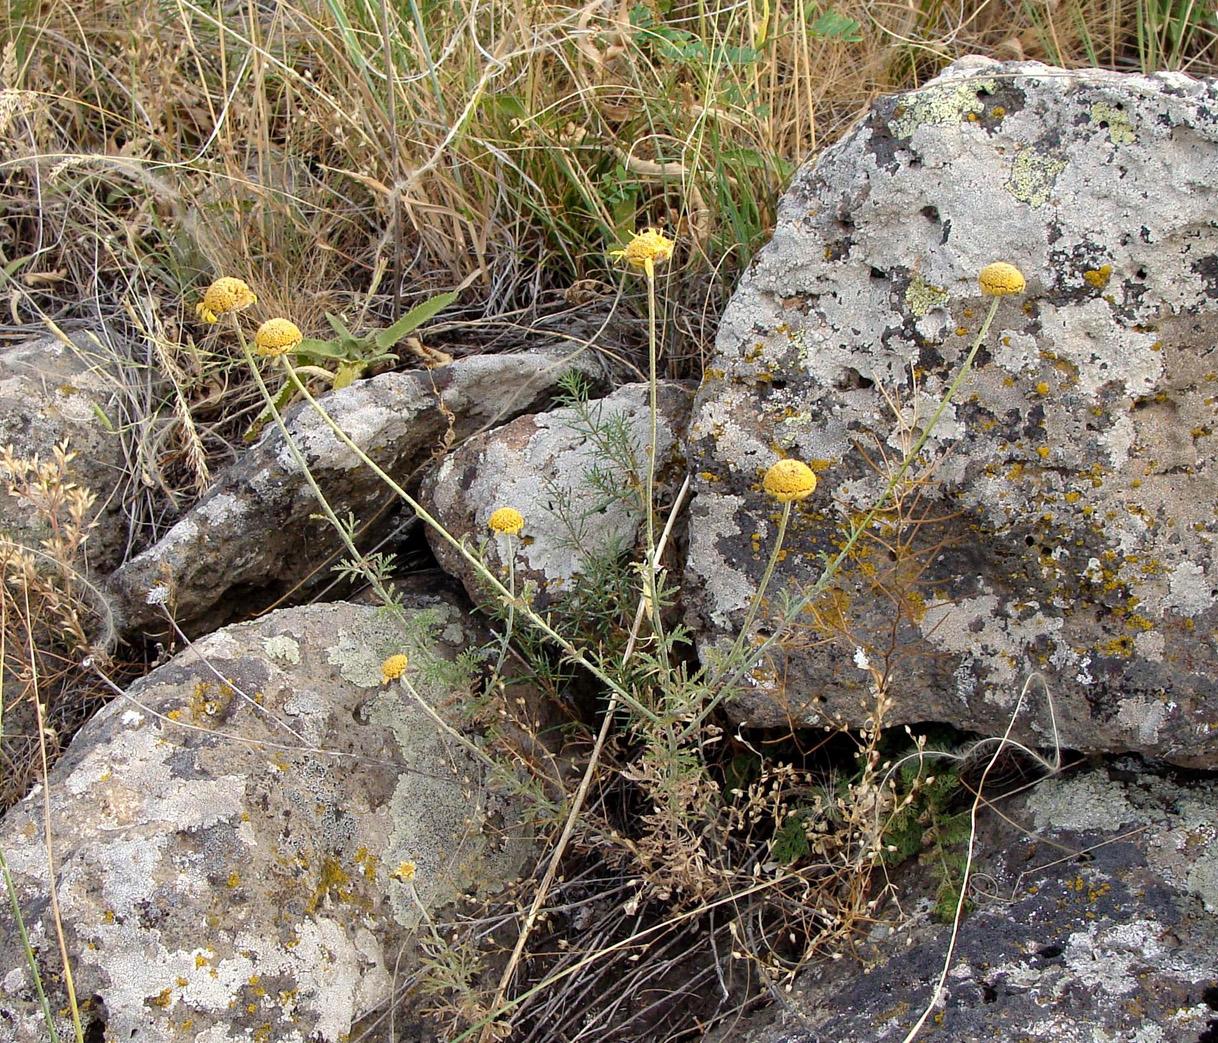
148, 147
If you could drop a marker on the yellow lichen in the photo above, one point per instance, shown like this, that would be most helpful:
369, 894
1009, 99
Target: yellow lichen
1115, 121
1098, 277
922, 297
1033, 175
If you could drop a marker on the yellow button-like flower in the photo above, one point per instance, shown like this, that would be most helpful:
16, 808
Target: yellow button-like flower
645, 250
507, 520
404, 872
277, 337
789, 480
224, 295
1001, 279
393, 667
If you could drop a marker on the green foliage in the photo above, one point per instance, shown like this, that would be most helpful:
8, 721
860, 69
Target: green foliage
791, 839
350, 355
673, 44
930, 825
354, 355
831, 24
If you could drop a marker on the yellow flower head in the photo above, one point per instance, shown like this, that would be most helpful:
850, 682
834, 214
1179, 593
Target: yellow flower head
393, 668
404, 872
277, 337
224, 295
1000, 279
645, 250
507, 520
789, 480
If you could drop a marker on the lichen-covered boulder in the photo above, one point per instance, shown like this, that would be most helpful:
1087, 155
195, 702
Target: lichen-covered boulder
1094, 919
50, 394
574, 473
1062, 519
258, 533
230, 835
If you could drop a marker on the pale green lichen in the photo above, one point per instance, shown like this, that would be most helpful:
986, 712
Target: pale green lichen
940, 106
283, 648
1120, 129
1083, 803
1033, 174
360, 651
922, 297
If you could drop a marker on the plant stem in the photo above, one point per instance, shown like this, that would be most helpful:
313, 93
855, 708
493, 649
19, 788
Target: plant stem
572, 652
384, 595
724, 686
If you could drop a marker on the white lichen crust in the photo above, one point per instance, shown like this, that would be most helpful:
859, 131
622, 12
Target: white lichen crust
226, 832
1065, 523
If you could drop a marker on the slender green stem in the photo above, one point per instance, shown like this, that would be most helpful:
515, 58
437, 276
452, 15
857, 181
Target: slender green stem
383, 594
30, 959
725, 685
421, 513
652, 378
650, 594
511, 619
755, 605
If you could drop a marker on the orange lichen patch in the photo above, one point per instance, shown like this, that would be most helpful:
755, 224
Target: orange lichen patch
162, 999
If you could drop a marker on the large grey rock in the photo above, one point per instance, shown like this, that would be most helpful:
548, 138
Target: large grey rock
566, 472
52, 393
1096, 919
258, 534
1068, 524
226, 834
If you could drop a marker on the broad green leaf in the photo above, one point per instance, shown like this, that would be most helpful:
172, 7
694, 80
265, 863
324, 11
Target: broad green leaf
348, 373
412, 320
336, 324
321, 349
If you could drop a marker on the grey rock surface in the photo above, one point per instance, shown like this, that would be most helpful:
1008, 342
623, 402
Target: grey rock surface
1095, 920
257, 533
573, 472
51, 393
228, 837
1064, 521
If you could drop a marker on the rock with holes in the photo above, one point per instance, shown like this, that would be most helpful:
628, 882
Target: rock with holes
53, 393
1092, 918
234, 837
1060, 521
575, 475
258, 534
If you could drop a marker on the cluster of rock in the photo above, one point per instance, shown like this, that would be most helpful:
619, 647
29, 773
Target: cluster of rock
245, 840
